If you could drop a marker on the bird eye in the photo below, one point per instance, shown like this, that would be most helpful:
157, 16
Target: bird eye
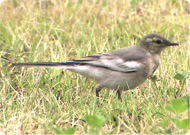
158, 41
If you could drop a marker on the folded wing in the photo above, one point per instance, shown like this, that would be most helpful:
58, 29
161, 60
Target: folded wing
109, 61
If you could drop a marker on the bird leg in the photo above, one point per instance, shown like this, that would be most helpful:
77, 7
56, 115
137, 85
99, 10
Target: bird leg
98, 89
119, 94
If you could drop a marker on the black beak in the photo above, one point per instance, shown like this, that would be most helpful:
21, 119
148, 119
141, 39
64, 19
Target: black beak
173, 44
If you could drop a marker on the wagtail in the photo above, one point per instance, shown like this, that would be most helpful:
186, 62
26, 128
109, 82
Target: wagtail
122, 69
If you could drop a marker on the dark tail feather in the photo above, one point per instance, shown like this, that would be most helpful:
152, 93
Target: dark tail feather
45, 64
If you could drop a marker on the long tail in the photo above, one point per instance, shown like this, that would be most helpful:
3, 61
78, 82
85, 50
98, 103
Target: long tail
81, 68
85, 69
46, 64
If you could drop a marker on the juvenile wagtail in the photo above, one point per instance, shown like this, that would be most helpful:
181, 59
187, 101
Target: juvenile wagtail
122, 69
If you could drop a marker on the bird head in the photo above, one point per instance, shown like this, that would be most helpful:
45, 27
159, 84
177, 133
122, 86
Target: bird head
155, 43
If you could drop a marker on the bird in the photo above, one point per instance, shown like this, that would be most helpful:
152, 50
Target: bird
122, 69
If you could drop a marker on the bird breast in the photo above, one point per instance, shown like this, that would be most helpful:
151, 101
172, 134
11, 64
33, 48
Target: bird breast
153, 62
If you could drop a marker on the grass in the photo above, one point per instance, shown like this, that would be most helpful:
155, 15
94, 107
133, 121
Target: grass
34, 100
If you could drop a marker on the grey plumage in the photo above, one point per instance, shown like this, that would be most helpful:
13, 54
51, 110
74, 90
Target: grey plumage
122, 69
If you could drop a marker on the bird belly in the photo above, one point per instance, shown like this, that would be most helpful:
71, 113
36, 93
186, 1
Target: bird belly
123, 81
110, 78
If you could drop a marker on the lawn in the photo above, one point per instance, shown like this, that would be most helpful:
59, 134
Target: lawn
52, 100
